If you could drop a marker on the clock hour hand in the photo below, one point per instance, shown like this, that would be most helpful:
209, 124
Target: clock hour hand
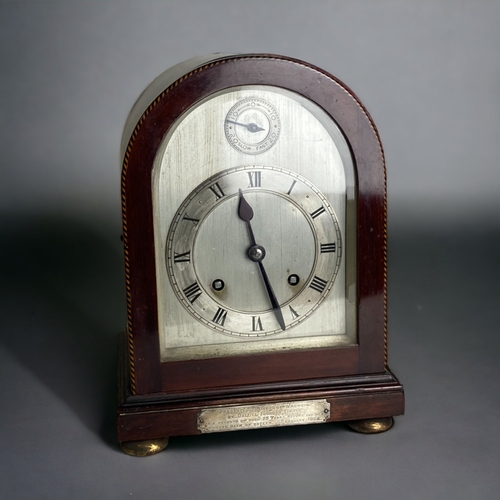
256, 253
251, 127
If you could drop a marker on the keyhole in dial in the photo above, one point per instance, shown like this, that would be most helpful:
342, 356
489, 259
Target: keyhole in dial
218, 285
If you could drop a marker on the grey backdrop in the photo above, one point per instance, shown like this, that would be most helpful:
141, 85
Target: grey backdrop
428, 72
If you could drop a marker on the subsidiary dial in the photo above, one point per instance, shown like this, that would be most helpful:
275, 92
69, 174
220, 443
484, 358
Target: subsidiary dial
252, 126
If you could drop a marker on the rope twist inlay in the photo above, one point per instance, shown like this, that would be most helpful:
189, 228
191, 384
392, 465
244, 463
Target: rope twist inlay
124, 200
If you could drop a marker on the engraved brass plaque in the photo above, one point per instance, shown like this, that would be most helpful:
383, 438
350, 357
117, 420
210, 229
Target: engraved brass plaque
234, 418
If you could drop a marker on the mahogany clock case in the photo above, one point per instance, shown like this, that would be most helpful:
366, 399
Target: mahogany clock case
162, 399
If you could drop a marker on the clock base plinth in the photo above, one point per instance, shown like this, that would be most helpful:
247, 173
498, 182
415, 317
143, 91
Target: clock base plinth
365, 402
144, 448
371, 425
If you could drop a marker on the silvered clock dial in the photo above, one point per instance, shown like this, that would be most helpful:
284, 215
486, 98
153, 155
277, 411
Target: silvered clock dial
233, 283
254, 218
239, 273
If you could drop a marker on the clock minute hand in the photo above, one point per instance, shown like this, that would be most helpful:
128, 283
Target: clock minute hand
274, 301
251, 127
256, 253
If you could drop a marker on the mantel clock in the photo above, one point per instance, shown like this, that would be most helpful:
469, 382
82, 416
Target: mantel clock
254, 225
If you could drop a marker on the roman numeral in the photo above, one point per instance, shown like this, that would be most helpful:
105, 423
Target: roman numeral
220, 316
257, 324
317, 212
194, 221
192, 292
295, 314
182, 257
254, 178
318, 284
291, 187
217, 190
328, 247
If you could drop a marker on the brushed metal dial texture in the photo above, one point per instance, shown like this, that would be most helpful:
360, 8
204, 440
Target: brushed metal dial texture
196, 149
298, 235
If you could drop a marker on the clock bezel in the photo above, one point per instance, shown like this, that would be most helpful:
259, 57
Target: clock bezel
328, 268
148, 375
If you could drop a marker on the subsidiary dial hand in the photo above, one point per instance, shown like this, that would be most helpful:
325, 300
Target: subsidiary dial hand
251, 127
257, 254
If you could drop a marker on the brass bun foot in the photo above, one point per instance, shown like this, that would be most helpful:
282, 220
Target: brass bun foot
372, 425
144, 448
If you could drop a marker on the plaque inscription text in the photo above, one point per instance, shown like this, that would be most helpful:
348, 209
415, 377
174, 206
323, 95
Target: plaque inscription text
233, 418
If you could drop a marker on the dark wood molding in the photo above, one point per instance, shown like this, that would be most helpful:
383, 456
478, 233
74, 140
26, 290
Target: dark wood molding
350, 398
